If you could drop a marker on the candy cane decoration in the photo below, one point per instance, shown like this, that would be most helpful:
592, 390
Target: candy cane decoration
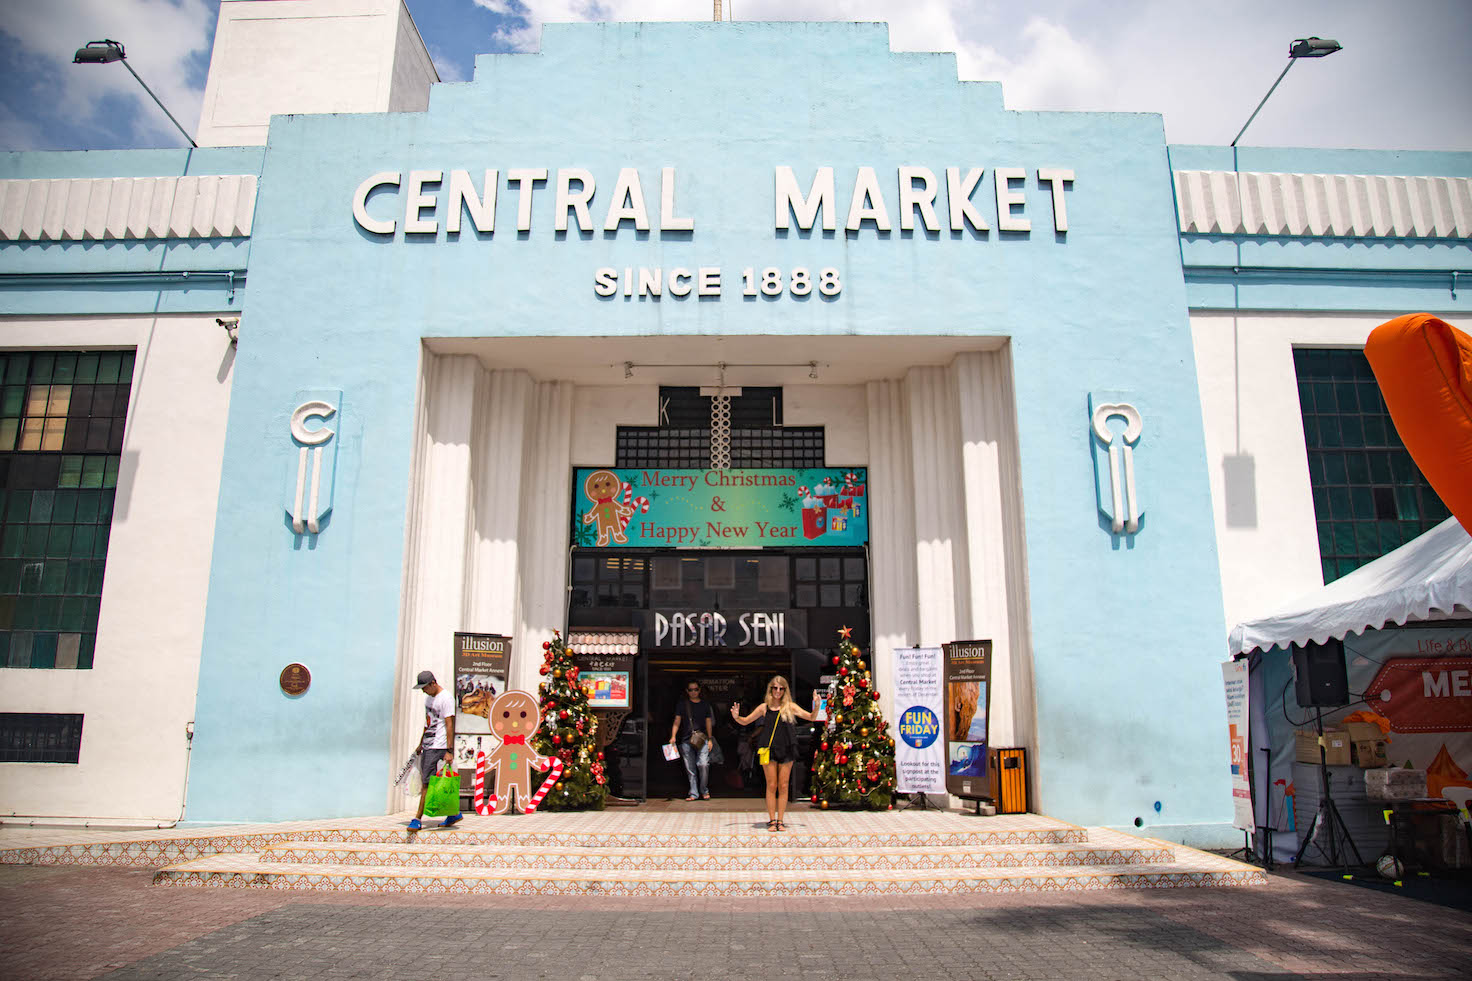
552, 778
637, 505
485, 805
482, 806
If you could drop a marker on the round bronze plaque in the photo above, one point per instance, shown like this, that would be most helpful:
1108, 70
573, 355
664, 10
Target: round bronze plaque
295, 679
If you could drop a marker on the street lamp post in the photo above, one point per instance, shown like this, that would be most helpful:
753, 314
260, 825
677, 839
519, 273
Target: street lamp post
105, 53
1304, 47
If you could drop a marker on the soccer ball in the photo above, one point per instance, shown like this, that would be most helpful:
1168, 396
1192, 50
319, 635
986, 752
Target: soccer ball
1389, 867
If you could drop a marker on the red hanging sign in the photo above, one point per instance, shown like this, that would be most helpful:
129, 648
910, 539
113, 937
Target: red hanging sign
1424, 694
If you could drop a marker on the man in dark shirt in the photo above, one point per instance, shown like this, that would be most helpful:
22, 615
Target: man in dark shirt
694, 730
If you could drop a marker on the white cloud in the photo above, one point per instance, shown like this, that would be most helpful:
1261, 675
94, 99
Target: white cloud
163, 40
1401, 80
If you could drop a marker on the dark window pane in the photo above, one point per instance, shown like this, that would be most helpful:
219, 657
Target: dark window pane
53, 535
36, 738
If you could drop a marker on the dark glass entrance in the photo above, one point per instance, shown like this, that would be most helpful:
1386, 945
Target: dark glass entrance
730, 620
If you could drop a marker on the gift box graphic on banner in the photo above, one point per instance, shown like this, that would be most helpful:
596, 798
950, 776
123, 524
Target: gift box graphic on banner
814, 514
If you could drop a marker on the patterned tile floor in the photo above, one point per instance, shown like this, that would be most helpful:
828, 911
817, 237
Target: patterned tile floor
646, 854
808, 827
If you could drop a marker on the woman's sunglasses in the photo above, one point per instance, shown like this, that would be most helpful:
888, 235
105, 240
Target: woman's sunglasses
776, 688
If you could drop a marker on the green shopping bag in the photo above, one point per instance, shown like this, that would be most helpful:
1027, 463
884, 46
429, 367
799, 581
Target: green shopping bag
444, 792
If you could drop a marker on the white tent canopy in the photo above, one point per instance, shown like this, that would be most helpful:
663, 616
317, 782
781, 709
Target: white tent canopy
1428, 578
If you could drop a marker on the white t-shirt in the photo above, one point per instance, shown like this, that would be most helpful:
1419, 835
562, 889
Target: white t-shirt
437, 708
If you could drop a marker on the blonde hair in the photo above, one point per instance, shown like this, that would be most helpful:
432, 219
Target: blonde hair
785, 710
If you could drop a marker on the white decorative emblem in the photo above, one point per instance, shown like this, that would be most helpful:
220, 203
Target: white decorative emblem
306, 508
1125, 512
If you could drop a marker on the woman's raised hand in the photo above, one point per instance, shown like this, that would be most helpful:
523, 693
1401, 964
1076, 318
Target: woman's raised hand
736, 710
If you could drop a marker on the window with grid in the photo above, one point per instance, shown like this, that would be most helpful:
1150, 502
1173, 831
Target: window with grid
830, 580
32, 737
758, 438
609, 580
61, 439
1369, 496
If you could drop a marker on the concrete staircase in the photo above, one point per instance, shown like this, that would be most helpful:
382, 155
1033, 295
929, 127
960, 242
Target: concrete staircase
728, 854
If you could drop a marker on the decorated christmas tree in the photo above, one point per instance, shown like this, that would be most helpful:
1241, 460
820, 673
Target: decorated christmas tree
567, 732
854, 762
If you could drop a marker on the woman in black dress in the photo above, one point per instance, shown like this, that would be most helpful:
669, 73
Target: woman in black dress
776, 734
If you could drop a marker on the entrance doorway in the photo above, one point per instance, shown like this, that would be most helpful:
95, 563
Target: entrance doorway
726, 677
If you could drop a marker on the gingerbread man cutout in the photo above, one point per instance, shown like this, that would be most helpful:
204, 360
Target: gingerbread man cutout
514, 718
602, 487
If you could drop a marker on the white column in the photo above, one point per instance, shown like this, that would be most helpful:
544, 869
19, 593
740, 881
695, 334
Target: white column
435, 541
996, 556
545, 517
892, 588
940, 519
502, 414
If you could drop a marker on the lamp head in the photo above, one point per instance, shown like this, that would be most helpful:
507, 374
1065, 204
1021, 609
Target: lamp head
1313, 47
99, 53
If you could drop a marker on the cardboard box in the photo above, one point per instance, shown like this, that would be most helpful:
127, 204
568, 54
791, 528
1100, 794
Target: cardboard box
1395, 783
1336, 747
1368, 753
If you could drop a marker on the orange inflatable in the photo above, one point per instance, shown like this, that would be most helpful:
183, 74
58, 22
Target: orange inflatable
1424, 367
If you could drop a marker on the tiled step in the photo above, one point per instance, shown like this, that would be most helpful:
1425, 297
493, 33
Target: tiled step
247, 871
450, 856
744, 834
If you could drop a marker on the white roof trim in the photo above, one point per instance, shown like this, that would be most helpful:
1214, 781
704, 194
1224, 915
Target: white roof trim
98, 209
1323, 205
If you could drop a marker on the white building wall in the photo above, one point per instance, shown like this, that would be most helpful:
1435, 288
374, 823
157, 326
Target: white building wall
138, 698
309, 56
1256, 454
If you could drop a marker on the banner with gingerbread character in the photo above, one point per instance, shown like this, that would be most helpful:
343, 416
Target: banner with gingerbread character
656, 507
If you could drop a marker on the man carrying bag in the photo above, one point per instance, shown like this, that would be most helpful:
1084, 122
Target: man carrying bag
694, 729
437, 752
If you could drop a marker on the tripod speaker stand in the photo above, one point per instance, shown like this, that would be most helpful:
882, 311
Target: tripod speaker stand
1328, 821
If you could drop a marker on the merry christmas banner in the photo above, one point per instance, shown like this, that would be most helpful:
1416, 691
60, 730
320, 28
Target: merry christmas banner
655, 507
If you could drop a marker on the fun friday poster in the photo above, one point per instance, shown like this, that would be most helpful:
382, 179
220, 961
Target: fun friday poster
655, 507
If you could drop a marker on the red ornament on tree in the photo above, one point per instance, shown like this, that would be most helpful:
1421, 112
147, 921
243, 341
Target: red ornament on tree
562, 714
556, 740
824, 747
843, 672
543, 669
836, 659
546, 645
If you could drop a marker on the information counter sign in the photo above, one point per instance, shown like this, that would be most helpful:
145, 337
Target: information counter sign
968, 693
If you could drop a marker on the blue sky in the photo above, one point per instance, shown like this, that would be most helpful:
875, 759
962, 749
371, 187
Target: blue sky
1400, 82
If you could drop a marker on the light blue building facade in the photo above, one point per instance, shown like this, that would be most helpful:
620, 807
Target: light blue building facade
971, 303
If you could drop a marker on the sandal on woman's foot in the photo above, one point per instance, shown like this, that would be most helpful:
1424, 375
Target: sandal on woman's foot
692, 797
705, 796
772, 825
781, 826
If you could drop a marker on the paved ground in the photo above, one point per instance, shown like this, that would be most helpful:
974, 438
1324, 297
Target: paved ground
59, 922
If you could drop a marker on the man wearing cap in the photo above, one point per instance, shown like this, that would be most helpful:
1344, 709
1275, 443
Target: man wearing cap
439, 740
